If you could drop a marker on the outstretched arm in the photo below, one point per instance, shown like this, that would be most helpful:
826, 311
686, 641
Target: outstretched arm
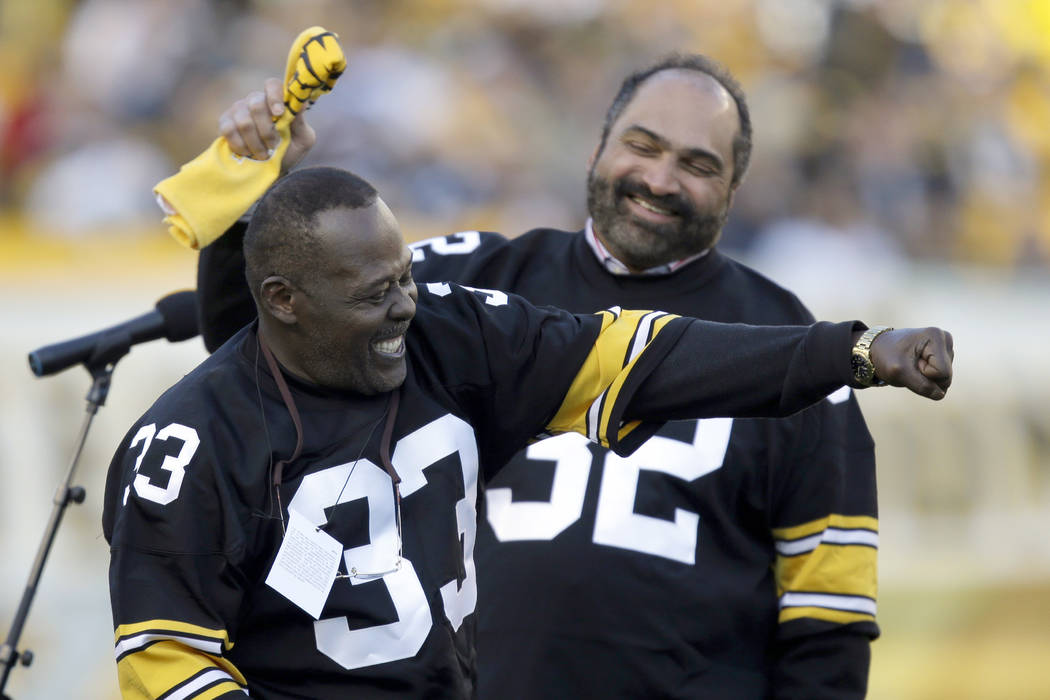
800, 366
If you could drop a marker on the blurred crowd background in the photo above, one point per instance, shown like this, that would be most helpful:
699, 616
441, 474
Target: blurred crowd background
914, 129
901, 173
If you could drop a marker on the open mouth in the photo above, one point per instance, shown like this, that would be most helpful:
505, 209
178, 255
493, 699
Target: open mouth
649, 206
390, 347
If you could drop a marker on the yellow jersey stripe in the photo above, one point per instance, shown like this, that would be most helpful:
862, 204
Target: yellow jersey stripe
841, 617
846, 522
168, 669
591, 401
849, 570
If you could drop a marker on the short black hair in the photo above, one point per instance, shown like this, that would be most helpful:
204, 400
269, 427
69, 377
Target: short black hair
280, 238
701, 64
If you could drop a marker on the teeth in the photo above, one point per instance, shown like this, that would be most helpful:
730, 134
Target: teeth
389, 346
651, 207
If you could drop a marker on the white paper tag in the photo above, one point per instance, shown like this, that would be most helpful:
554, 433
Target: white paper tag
306, 564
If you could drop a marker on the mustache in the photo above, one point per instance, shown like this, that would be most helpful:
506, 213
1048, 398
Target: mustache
674, 203
393, 331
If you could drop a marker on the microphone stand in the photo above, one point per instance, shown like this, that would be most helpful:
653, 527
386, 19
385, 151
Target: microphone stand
108, 351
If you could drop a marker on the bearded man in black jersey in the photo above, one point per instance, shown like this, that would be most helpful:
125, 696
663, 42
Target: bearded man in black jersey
724, 559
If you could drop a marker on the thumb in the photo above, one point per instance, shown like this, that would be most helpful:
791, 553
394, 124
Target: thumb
302, 138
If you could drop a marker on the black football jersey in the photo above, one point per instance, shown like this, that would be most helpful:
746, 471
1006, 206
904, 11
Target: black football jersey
723, 559
194, 525
199, 491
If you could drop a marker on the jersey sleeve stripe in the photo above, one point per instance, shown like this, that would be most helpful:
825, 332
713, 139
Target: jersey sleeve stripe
184, 629
843, 522
832, 535
132, 638
139, 642
642, 336
845, 569
130, 645
593, 415
848, 603
839, 617
212, 679
595, 399
169, 669
831, 574
611, 407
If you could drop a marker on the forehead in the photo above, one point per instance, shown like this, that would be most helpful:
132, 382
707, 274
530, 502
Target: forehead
688, 108
363, 243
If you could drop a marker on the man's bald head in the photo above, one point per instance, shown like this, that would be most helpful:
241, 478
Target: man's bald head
281, 237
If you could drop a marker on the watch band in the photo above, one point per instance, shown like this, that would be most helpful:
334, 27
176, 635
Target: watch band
863, 369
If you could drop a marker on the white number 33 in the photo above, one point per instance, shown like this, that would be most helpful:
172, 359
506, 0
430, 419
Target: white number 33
176, 464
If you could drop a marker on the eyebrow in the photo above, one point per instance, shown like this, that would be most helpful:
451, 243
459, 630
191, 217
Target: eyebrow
688, 153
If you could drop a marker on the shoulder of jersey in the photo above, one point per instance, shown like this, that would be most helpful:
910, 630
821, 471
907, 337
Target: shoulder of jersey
210, 389
772, 292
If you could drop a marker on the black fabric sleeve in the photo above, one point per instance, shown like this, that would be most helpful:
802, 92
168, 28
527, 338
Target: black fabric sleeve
824, 520
830, 666
718, 369
175, 537
225, 304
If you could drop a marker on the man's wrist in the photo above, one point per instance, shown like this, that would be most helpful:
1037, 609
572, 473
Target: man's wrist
860, 359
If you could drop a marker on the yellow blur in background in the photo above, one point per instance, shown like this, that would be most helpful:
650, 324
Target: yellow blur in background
900, 174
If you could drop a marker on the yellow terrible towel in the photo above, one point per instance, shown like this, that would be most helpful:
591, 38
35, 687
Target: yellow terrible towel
213, 190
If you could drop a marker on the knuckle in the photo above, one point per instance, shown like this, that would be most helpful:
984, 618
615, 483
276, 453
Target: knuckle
241, 118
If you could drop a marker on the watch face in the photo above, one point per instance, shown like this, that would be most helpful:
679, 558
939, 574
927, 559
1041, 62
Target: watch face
863, 370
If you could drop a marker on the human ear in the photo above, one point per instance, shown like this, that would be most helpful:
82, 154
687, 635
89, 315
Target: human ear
277, 295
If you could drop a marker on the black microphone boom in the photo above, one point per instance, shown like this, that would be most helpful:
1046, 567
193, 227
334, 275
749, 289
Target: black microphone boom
174, 318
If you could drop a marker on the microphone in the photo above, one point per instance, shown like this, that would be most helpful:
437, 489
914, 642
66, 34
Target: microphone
174, 318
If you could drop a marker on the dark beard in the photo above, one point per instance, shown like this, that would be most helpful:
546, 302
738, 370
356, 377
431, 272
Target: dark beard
643, 244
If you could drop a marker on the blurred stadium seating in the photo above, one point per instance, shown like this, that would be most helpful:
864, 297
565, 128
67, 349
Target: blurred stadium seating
900, 143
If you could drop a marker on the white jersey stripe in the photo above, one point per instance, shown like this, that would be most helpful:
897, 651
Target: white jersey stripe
641, 336
593, 414
832, 535
208, 678
850, 603
799, 546
131, 644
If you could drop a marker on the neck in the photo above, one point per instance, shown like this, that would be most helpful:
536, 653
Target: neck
279, 346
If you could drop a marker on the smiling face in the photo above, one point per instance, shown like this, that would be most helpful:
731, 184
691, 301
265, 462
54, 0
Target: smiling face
660, 189
351, 314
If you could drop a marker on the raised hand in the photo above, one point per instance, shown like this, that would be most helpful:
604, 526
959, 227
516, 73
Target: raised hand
314, 64
248, 126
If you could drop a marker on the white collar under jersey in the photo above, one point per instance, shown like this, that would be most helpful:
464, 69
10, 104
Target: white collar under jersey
614, 266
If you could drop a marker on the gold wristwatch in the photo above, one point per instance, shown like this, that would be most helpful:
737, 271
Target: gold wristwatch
863, 369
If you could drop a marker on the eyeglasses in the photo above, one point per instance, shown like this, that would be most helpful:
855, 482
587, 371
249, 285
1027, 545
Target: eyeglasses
356, 573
